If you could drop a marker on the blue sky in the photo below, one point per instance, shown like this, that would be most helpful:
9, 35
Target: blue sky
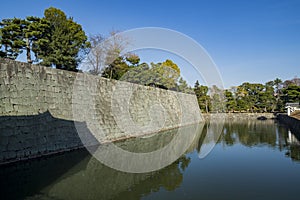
254, 41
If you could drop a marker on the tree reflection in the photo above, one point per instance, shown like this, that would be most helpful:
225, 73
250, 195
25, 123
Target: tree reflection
93, 179
250, 133
254, 133
168, 178
77, 175
294, 152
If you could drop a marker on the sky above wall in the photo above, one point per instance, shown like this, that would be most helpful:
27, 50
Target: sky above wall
253, 41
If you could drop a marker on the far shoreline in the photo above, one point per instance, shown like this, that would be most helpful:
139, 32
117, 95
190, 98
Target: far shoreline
242, 115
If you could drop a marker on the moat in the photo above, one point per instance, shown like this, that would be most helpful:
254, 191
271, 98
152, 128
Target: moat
252, 160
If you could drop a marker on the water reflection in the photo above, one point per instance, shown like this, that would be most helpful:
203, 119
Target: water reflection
150, 153
56, 178
294, 150
254, 133
209, 137
251, 133
77, 175
292, 138
90, 180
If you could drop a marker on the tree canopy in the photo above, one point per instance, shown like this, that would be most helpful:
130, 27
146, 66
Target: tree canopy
56, 40
251, 97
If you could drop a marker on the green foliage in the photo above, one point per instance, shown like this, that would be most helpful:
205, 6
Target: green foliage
291, 93
58, 41
11, 37
203, 98
35, 35
55, 39
231, 103
249, 97
64, 42
116, 69
133, 59
164, 75
254, 97
172, 65
139, 75
184, 87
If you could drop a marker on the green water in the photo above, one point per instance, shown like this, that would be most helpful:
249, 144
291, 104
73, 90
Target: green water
251, 160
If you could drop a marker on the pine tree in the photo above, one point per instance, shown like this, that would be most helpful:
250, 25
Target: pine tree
11, 39
63, 45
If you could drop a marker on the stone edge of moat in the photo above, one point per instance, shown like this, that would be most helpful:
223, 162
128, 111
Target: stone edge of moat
67, 150
38, 117
241, 116
291, 122
205, 117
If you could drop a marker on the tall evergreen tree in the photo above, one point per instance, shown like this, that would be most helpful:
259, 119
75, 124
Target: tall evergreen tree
62, 46
183, 86
291, 93
56, 40
35, 33
202, 96
116, 69
11, 39
230, 101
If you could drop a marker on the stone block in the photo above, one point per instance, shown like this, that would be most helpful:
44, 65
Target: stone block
32, 90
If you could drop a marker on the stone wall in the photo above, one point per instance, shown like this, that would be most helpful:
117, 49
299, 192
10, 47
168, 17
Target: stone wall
242, 116
45, 110
290, 122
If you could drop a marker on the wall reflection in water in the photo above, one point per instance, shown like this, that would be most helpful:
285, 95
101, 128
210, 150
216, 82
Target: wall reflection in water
77, 175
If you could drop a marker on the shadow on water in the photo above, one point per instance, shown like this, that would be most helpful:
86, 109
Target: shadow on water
32, 136
35, 135
27, 178
78, 175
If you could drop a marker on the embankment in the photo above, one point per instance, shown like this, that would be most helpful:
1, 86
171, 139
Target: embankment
290, 122
241, 116
45, 110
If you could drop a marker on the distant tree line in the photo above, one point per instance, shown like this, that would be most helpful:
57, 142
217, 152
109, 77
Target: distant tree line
251, 97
